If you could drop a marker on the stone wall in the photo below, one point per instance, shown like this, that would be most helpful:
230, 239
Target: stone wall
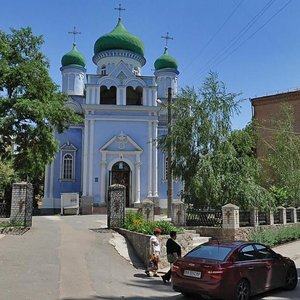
140, 243
242, 233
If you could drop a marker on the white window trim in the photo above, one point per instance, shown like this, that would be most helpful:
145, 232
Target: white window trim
63, 153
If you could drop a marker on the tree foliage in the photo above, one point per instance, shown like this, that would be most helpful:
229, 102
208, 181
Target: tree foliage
31, 107
283, 159
217, 165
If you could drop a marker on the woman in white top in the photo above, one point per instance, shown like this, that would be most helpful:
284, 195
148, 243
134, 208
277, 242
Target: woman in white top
154, 250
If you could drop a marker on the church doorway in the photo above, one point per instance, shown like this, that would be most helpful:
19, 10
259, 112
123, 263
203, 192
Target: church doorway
120, 174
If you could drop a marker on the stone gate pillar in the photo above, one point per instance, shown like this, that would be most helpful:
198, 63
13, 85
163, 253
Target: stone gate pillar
116, 205
231, 216
282, 214
178, 213
21, 204
254, 217
148, 210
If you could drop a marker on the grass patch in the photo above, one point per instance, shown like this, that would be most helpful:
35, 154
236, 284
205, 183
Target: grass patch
276, 236
134, 221
5, 225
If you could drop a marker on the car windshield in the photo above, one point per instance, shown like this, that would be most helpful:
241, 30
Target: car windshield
210, 252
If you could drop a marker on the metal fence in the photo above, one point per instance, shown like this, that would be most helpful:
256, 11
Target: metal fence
276, 217
262, 218
197, 217
298, 215
244, 218
289, 216
4, 210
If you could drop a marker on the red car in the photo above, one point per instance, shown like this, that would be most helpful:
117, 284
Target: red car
232, 270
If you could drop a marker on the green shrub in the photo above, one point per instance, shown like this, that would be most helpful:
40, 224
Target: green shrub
276, 236
135, 222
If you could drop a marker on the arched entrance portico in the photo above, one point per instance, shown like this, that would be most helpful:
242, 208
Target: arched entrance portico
121, 174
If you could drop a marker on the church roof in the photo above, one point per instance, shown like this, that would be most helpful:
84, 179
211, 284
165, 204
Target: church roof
119, 38
165, 62
74, 57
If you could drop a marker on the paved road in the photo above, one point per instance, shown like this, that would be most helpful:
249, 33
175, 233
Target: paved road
60, 258
63, 258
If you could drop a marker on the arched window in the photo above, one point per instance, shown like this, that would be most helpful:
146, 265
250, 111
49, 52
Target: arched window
103, 70
68, 166
71, 82
108, 96
134, 96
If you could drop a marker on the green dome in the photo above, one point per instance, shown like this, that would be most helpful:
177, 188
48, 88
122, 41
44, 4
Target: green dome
119, 38
74, 57
165, 62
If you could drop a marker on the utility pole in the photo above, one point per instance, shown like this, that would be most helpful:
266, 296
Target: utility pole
169, 169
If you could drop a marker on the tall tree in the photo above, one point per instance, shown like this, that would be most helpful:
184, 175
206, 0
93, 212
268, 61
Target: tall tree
216, 165
232, 173
31, 107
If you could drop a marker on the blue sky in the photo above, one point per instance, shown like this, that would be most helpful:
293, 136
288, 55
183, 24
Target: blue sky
253, 45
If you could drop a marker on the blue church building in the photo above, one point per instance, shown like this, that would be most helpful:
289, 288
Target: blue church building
123, 115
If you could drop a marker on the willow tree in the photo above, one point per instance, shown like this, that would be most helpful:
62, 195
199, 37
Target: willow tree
214, 164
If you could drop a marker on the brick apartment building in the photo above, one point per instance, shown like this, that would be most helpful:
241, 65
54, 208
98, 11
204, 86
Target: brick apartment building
267, 109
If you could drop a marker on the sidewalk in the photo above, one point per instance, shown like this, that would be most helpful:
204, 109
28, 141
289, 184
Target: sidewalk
291, 250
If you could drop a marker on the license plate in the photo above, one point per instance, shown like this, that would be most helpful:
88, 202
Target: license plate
191, 273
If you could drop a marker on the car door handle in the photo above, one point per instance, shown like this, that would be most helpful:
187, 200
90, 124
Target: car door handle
250, 268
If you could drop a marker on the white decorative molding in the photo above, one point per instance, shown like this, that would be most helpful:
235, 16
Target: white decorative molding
135, 82
85, 157
121, 140
91, 157
74, 105
117, 139
108, 82
150, 159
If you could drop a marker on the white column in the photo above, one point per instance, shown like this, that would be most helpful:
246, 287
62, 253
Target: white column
95, 95
145, 98
123, 96
98, 95
155, 167
150, 159
103, 178
138, 179
91, 159
154, 92
85, 157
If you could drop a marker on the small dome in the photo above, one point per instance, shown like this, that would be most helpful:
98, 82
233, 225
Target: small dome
74, 57
165, 62
119, 38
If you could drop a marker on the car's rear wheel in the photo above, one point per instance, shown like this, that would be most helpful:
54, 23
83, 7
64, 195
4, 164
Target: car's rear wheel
291, 279
242, 290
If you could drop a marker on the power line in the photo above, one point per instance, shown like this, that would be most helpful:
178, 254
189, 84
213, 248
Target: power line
261, 27
214, 35
237, 37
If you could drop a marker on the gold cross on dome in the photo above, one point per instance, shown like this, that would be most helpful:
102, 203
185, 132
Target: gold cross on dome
120, 10
74, 32
167, 38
